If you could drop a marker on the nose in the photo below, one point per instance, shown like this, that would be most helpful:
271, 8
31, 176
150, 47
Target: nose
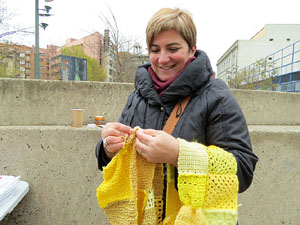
164, 57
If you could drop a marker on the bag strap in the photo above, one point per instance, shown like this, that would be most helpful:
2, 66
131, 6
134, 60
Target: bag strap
175, 115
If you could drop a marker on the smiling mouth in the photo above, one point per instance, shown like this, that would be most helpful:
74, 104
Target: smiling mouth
167, 67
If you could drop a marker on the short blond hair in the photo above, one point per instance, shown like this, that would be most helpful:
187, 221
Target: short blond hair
172, 19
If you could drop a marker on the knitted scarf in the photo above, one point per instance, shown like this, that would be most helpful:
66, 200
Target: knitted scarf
161, 86
132, 190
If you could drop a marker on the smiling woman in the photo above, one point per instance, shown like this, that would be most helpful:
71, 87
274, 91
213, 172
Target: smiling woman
202, 164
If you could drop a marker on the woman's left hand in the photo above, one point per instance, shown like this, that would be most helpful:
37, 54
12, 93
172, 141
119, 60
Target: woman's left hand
157, 146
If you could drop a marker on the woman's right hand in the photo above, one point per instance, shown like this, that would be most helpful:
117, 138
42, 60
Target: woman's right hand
113, 137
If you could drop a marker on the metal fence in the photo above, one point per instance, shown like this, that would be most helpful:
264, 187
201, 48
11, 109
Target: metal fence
283, 64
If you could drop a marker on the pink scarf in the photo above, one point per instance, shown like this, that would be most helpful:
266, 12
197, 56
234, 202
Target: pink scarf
161, 86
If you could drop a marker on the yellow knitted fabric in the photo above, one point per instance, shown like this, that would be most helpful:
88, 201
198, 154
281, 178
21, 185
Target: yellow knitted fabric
208, 188
126, 194
132, 190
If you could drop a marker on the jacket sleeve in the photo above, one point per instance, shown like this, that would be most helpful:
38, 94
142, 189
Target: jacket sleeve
102, 159
226, 128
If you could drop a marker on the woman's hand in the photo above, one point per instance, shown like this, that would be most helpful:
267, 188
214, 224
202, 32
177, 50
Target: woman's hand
113, 137
157, 146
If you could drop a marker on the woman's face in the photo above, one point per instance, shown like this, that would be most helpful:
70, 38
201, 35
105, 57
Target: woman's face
169, 53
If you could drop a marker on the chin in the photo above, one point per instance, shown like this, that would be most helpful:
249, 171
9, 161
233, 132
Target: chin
165, 78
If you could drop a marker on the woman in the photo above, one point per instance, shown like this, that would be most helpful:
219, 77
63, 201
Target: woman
211, 118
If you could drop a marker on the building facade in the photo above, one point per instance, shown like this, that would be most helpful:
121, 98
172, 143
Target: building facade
98, 47
108, 57
19, 62
47, 72
16, 61
271, 38
91, 45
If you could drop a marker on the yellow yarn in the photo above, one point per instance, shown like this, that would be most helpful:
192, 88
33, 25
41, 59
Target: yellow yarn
212, 187
132, 190
126, 186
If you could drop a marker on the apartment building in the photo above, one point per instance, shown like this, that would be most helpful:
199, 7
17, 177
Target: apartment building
91, 45
98, 47
95, 45
270, 39
16, 60
47, 72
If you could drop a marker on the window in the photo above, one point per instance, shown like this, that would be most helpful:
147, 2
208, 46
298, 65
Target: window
27, 58
22, 68
22, 55
22, 62
27, 64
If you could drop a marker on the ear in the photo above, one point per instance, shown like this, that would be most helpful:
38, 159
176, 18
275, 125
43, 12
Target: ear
194, 49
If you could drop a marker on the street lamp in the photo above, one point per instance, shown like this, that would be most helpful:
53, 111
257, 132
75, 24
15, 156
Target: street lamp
37, 47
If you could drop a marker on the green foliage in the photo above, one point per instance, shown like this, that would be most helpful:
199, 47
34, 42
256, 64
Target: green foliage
260, 75
8, 66
95, 72
2, 71
3, 59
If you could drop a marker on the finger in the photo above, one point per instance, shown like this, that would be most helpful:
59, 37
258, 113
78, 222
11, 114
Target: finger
114, 140
141, 148
112, 132
114, 148
144, 137
151, 132
142, 144
122, 128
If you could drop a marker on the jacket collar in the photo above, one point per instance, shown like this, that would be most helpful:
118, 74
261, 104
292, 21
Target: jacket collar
195, 75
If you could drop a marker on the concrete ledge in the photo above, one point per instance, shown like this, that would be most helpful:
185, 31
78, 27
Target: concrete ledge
42, 102
273, 197
269, 108
60, 166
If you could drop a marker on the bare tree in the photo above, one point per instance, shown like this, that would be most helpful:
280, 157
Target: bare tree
8, 29
118, 50
8, 50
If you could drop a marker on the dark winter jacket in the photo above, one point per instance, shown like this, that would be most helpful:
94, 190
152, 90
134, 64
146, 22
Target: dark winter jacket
212, 116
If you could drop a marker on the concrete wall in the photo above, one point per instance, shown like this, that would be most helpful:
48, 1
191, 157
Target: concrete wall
273, 197
40, 102
60, 166
59, 163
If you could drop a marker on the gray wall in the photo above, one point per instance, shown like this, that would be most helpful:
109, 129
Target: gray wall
58, 161
60, 166
40, 102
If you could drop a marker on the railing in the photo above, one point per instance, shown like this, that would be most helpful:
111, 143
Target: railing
282, 63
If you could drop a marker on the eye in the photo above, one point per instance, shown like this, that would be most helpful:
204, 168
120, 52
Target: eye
173, 49
154, 50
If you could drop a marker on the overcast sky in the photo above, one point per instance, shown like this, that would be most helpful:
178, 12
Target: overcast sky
219, 23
